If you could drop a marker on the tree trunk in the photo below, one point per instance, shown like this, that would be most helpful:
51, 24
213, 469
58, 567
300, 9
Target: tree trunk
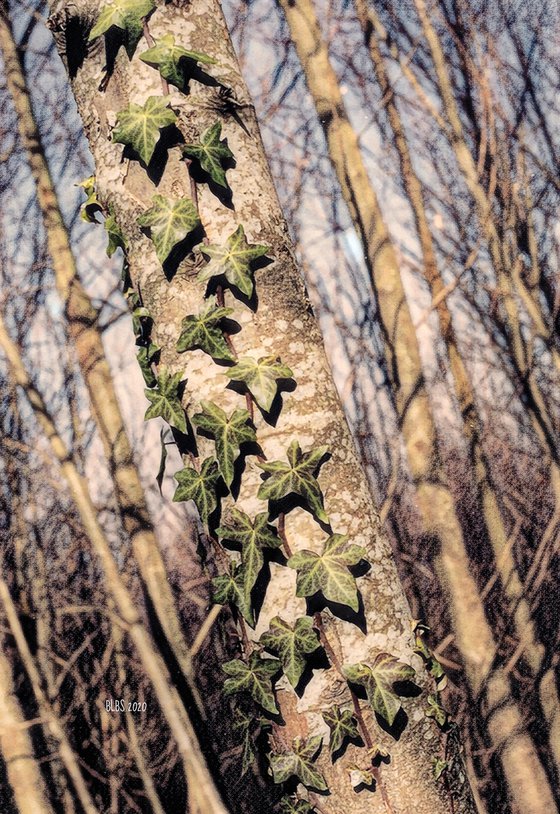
86, 336
472, 424
280, 324
474, 638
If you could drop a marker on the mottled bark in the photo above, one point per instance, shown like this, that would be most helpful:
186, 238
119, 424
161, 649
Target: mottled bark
85, 334
473, 635
282, 325
204, 798
472, 425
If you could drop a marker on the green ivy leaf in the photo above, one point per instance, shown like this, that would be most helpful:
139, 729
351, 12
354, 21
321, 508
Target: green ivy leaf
378, 682
291, 645
295, 477
145, 357
233, 261
139, 126
294, 805
328, 572
439, 767
260, 377
228, 432
210, 153
199, 487
299, 763
244, 725
254, 678
125, 14
115, 238
165, 401
253, 536
436, 711
170, 60
170, 222
91, 205
342, 725
230, 589
203, 331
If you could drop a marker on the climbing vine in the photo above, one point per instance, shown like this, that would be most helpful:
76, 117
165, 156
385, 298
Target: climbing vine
246, 543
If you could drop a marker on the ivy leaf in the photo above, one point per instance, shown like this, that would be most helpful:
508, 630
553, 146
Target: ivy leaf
342, 725
260, 377
145, 357
436, 711
125, 14
439, 767
360, 777
244, 725
328, 572
299, 763
169, 59
253, 536
203, 331
233, 261
378, 682
294, 805
295, 477
254, 678
291, 645
210, 153
170, 222
115, 238
229, 432
199, 487
165, 401
139, 126
91, 205
163, 435
230, 589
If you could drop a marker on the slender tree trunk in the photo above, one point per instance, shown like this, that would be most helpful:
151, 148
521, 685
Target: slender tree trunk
472, 421
85, 333
24, 774
281, 325
473, 634
204, 797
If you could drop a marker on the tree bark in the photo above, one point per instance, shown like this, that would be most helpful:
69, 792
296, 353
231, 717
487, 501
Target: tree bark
473, 634
282, 325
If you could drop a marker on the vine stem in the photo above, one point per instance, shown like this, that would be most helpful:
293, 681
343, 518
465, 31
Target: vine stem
151, 42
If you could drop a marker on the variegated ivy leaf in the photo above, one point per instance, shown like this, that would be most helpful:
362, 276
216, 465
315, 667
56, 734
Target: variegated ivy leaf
165, 401
232, 261
211, 153
254, 678
172, 60
91, 205
328, 572
116, 239
145, 357
253, 536
360, 777
199, 487
296, 477
228, 432
170, 222
260, 377
342, 725
299, 763
230, 589
378, 682
432, 664
436, 711
139, 126
291, 645
203, 331
125, 14
295, 805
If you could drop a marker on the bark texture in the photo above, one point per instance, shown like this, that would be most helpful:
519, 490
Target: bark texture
282, 325
489, 683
